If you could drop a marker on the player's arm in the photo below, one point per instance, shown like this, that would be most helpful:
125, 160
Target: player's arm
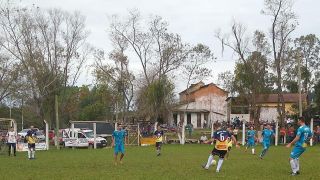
209, 140
297, 138
112, 144
234, 140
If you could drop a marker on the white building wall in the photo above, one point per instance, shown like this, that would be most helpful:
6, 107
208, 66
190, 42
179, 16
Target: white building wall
268, 114
216, 105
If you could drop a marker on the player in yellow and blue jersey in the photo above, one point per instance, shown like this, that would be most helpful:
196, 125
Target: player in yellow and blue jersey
221, 138
158, 134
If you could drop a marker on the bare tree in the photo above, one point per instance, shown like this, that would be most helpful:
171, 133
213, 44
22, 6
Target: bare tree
8, 76
253, 64
115, 72
194, 69
48, 44
284, 22
159, 51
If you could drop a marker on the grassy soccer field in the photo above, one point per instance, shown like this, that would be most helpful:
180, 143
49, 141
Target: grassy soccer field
176, 162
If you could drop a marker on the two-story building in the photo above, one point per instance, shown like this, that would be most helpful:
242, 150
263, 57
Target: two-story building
200, 105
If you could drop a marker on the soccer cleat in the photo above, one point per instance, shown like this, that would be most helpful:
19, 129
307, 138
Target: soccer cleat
158, 154
294, 174
298, 172
217, 171
204, 167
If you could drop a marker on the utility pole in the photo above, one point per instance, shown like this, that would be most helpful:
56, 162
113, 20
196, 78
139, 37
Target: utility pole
299, 84
22, 114
57, 121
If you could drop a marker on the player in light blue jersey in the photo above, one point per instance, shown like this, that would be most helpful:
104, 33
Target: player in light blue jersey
266, 134
303, 134
251, 134
118, 143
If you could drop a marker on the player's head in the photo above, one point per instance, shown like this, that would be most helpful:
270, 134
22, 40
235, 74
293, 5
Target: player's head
301, 121
251, 127
158, 127
119, 127
11, 129
31, 127
218, 126
268, 126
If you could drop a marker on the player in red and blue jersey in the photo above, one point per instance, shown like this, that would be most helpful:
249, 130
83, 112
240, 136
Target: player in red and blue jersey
303, 134
221, 138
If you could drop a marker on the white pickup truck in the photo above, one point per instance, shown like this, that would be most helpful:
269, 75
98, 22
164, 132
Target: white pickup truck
82, 138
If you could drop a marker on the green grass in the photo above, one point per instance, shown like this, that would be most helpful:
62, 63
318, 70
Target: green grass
176, 162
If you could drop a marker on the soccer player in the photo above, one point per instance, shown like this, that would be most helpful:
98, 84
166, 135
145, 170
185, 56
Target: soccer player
221, 138
12, 140
266, 134
158, 134
303, 134
31, 140
118, 143
251, 139
229, 143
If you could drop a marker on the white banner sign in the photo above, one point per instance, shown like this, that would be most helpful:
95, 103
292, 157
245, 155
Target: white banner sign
24, 146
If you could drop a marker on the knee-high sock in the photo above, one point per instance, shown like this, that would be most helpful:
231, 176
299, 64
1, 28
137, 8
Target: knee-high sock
297, 164
219, 164
252, 150
32, 153
263, 152
29, 153
9, 149
293, 165
210, 158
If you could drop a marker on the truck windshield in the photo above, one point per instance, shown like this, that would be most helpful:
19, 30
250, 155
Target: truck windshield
89, 134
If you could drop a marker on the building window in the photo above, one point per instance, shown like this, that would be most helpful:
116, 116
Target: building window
188, 118
175, 119
199, 120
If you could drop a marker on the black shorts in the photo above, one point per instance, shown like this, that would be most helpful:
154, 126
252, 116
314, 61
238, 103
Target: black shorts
220, 153
158, 144
31, 146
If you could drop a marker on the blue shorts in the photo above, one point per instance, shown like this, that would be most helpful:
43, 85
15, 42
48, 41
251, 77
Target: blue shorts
266, 145
251, 143
119, 148
296, 152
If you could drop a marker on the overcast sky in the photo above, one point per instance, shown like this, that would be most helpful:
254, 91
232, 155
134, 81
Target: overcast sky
195, 20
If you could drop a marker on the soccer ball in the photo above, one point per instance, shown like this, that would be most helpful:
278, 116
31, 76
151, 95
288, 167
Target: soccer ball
213, 162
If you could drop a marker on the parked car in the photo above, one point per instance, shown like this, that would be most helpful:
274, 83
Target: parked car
23, 133
40, 136
82, 138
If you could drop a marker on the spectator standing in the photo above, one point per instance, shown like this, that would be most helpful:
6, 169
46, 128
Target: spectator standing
235, 133
282, 134
11, 141
203, 138
317, 133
